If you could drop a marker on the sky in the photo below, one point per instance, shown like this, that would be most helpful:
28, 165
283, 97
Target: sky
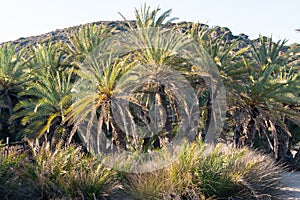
276, 18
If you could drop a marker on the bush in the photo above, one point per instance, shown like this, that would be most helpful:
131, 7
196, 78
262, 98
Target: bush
224, 172
204, 171
8, 166
62, 173
152, 185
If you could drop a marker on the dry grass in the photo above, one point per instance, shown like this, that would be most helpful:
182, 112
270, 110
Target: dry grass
202, 171
205, 172
64, 172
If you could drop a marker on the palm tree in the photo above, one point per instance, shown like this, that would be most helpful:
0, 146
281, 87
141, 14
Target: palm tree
92, 95
13, 77
104, 79
266, 52
147, 18
261, 87
264, 98
160, 52
44, 112
156, 49
47, 97
83, 41
82, 46
222, 51
47, 58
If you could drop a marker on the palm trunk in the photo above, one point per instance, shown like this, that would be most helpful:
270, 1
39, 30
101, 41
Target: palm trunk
208, 117
238, 129
283, 153
119, 136
163, 101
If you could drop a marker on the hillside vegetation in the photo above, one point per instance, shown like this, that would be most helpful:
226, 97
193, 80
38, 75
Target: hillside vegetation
58, 92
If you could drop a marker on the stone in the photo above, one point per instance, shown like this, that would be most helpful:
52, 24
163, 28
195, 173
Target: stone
296, 162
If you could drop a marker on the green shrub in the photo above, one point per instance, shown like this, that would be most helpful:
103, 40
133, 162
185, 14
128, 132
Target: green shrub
205, 171
64, 172
202, 171
8, 166
224, 172
91, 180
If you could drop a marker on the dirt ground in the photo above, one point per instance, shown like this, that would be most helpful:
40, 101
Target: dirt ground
291, 182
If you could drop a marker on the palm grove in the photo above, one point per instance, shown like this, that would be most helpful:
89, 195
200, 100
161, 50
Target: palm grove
261, 81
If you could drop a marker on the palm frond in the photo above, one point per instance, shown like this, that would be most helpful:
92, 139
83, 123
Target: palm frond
146, 18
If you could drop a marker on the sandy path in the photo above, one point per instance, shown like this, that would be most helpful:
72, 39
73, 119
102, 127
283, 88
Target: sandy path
291, 182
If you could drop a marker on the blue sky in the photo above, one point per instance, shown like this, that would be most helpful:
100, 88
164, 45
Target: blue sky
252, 17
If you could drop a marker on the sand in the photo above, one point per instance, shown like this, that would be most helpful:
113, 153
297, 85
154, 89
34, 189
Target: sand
291, 188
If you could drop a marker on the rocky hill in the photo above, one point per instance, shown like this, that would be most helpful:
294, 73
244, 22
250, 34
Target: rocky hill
60, 35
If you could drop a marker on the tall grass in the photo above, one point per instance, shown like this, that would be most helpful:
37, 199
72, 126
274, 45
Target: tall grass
8, 166
225, 172
152, 185
202, 171
65, 172
207, 172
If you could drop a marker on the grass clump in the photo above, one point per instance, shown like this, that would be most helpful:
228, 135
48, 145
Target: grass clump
64, 172
205, 171
8, 179
152, 185
202, 171
224, 172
